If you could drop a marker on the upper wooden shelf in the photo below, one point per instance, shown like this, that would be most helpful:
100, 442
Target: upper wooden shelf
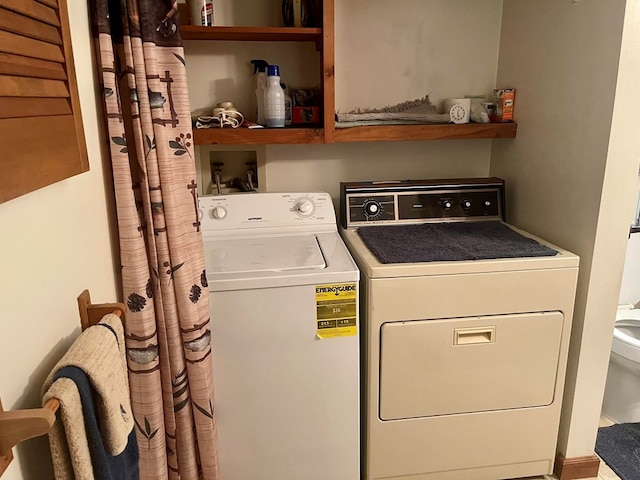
251, 34
426, 132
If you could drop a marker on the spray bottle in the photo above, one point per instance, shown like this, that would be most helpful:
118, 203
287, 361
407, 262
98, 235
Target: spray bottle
260, 71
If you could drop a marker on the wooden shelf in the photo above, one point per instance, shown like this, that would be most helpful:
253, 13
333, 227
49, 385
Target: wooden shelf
385, 133
324, 40
252, 34
257, 136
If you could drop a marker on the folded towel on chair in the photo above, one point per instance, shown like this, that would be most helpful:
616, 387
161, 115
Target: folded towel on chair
93, 437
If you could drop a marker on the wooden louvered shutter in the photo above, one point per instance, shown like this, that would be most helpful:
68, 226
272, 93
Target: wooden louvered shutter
41, 134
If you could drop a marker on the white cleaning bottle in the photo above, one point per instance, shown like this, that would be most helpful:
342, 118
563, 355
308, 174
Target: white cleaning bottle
260, 70
274, 98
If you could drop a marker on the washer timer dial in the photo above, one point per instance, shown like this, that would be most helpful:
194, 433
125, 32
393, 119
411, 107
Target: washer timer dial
219, 212
304, 207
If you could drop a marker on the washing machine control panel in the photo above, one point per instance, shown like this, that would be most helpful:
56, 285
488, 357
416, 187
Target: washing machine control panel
220, 213
420, 201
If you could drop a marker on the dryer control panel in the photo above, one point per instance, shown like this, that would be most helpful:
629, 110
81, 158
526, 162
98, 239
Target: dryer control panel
421, 201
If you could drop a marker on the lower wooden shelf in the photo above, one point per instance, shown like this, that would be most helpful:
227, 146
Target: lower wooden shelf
257, 136
383, 133
425, 132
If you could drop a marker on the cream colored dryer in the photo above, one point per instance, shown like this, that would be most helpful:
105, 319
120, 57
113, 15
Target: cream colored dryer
463, 360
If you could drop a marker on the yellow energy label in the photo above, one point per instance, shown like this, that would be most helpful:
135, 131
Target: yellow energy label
336, 310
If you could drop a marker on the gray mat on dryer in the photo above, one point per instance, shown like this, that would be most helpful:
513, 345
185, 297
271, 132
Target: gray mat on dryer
619, 446
446, 242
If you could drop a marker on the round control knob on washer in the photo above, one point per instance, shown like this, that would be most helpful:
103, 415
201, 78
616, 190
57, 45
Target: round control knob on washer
218, 212
445, 204
487, 203
305, 207
371, 208
466, 204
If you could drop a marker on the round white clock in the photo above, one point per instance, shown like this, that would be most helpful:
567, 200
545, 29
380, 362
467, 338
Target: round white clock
458, 113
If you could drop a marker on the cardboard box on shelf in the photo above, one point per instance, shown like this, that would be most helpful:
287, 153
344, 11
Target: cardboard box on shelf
306, 105
504, 99
306, 115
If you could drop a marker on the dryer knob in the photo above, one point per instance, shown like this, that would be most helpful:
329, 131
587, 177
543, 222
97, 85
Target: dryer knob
372, 208
445, 204
218, 212
466, 204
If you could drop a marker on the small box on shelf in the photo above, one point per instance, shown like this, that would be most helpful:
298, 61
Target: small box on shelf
305, 115
306, 105
504, 100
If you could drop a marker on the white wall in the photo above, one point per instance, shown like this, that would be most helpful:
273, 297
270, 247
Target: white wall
54, 243
322, 168
390, 52
572, 169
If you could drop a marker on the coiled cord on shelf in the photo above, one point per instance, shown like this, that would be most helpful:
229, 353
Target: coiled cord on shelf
224, 115
222, 118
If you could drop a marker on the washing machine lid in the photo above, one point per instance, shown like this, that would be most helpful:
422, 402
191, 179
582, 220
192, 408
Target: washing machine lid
260, 254
318, 258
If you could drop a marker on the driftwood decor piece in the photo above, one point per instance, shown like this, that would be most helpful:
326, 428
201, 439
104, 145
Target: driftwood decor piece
419, 111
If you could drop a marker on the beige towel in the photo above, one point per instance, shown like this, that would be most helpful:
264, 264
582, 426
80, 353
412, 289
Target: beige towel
102, 356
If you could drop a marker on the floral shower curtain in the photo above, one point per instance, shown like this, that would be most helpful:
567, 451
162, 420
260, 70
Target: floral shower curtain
168, 333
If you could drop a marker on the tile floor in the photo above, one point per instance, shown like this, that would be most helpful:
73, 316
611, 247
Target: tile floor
605, 473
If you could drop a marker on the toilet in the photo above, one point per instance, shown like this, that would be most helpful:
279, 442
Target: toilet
621, 402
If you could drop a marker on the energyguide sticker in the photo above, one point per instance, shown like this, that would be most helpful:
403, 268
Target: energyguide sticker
336, 310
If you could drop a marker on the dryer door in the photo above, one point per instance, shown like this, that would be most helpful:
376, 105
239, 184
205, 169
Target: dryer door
464, 365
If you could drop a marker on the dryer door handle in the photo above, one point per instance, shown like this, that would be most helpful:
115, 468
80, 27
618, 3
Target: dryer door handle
474, 336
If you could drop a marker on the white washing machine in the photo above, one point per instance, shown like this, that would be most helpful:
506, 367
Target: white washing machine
285, 341
465, 331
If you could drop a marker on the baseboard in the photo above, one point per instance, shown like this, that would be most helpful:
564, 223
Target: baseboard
577, 467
